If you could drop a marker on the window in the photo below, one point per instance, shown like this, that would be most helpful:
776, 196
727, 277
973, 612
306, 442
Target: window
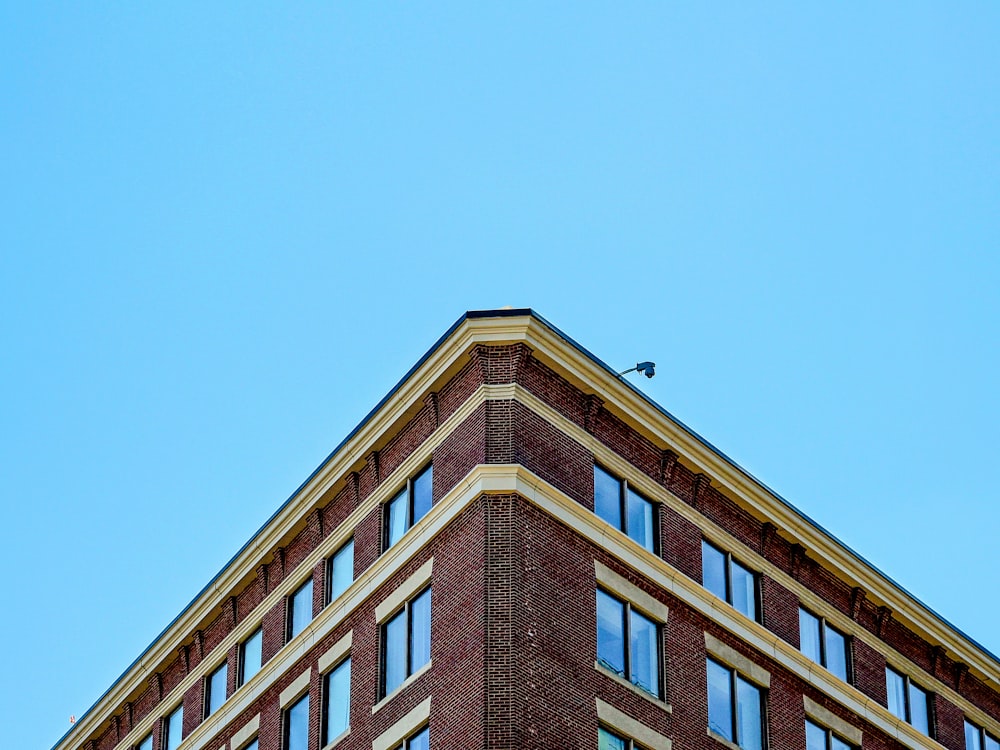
607, 740
729, 580
146, 743
336, 702
295, 729
976, 738
215, 689
250, 746
420, 741
823, 644
300, 609
249, 663
628, 643
735, 707
406, 642
173, 729
821, 738
907, 701
340, 571
624, 508
408, 507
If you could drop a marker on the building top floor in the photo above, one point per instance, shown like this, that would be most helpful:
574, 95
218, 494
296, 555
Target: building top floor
506, 388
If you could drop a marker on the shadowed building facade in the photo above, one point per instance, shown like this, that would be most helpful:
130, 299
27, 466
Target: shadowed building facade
517, 549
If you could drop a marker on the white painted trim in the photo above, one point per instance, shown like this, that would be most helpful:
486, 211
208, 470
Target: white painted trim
245, 733
298, 688
633, 728
733, 658
395, 601
403, 728
826, 718
335, 653
625, 589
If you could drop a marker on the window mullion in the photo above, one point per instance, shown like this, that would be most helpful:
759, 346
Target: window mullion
623, 504
729, 577
627, 640
734, 702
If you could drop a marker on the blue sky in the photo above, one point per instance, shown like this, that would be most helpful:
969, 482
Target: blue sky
227, 231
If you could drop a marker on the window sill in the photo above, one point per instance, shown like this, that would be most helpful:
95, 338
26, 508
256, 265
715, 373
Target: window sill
338, 739
723, 741
634, 688
403, 685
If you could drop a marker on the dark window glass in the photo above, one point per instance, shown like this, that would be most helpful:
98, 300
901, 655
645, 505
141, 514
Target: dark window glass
297, 725
340, 573
918, 709
337, 699
735, 707
628, 643
728, 579
420, 741
823, 644
146, 743
607, 497
406, 642
250, 651
409, 506
907, 701
608, 741
215, 689
624, 508
611, 633
300, 609
820, 738
644, 652
720, 700
713, 570
815, 737
173, 729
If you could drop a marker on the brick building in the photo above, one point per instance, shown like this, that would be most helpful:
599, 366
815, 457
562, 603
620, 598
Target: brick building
517, 549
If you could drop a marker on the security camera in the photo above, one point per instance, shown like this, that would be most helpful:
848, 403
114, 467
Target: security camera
647, 368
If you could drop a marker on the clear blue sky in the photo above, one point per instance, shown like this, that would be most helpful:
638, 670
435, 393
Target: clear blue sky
227, 230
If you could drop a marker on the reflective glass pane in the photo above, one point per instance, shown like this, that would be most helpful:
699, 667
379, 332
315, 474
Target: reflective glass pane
217, 688
338, 701
611, 633
836, 653
973, 737
395, 652
607, 497
918, 710
815, 737
713, 570
720, 700
991, 744
175, 726
608, 741
895, 688
251, 746
342, 570
838, 744
809, 634
420, 635
748, 717
640, 519
645, 653
744, 591
422, 497
147, 743
397, 518
297, 725
250, 656
301, 609
420, 741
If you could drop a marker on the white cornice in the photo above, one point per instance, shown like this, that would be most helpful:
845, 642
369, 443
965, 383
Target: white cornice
582, 370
